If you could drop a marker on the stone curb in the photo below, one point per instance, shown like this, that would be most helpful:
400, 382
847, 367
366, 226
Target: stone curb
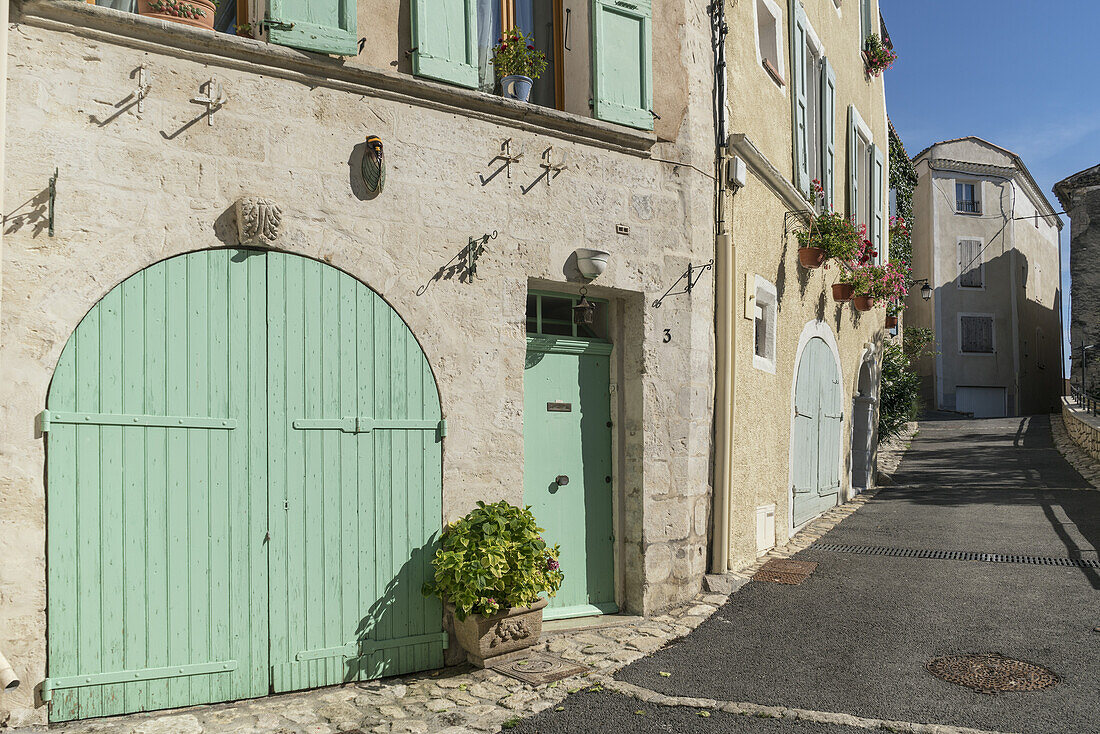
783, 712
1071, 451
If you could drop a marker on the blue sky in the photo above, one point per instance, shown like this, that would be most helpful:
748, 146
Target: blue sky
1019, 73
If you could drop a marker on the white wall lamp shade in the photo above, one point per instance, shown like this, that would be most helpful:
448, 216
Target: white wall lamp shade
591, 263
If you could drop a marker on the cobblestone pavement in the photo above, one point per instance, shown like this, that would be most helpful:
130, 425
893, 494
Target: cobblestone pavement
463, 699
1081, 460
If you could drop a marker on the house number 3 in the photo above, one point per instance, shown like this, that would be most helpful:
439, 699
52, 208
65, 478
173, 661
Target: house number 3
668, 336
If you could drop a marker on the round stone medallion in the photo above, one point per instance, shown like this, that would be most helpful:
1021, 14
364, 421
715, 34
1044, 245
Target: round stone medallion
991, 673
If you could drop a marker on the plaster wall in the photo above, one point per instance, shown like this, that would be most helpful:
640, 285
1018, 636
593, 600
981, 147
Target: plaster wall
138, 188
765, 245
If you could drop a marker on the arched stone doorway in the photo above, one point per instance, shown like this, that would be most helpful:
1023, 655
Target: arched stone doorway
863, 427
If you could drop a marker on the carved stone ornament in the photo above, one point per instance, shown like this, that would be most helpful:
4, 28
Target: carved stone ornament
259, 221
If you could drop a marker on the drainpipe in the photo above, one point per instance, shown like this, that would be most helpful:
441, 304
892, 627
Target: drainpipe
3, 120
724, 268
9, 681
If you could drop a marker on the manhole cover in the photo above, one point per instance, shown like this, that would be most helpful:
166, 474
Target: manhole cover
538, 668
785, 571
991, 673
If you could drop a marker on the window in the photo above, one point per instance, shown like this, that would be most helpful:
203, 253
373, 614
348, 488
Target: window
552, 315
967, 200
768, 39
976, 334
813, 101
865, 27
866, 184
971, 267
539, 22
764, 318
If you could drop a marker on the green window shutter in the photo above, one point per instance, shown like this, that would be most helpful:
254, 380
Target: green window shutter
622, 60
798, 97
877, 174
444, 40
853, 164
325, 26
864, 21
828, 131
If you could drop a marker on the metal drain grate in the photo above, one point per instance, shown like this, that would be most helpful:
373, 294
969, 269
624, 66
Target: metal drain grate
991, 673
785, 571
873, 550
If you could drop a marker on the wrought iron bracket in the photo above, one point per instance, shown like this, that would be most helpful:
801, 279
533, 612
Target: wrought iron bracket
53, 197
691, 275
474, 250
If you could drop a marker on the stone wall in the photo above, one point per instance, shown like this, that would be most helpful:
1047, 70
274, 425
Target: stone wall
138, 187
1082, 427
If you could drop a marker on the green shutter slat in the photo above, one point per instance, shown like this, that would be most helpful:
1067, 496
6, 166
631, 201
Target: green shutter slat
853, 164
325, 26
877, 181
828, 130
444, 40
622, 61
799, 103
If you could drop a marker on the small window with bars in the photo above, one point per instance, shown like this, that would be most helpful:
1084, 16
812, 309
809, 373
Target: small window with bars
967, 200
971, 268
976, 334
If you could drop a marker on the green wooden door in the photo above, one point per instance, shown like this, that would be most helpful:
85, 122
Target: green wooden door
567, 432
181, 540
816, 428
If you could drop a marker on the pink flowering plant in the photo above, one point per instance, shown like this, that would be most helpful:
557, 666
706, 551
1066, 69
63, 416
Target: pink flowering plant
899, 228
493, 559
878, 55
831, 231
515, 54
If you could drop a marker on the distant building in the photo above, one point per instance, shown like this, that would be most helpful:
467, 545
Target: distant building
1080, 197
988, 242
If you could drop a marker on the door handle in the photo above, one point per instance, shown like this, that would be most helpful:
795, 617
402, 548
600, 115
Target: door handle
561, 480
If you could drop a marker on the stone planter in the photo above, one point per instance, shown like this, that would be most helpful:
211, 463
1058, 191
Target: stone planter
487, 639
891, 322
811, 257
863, 303
843, 292
591, 263
203, 9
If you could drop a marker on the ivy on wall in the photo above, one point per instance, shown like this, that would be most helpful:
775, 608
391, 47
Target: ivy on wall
903, 180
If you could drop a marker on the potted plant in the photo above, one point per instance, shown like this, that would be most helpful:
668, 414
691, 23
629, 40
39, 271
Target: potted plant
518, 64
877, 55
198, 13
829, 235
851, 274
490, 569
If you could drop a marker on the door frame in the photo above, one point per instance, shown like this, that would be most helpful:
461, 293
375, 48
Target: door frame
616, 379
822, 331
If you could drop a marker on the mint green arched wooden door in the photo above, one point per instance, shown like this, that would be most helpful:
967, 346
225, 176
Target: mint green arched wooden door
243, 488
815, 444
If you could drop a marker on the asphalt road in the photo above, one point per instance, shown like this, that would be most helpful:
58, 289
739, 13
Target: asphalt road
857, 635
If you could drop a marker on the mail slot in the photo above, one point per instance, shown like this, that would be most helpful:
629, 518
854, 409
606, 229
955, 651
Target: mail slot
559, 407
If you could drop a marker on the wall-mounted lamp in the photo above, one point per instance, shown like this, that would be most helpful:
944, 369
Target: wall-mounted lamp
925, 289
584, 313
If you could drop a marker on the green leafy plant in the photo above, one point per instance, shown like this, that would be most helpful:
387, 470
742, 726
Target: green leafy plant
831, 231
492, 559
879, 56
515, 54
899, 391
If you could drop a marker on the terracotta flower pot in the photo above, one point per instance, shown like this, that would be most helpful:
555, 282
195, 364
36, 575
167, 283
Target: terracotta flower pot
485, 639
891, 322
181, 11
843, 292
863, 303
811, 257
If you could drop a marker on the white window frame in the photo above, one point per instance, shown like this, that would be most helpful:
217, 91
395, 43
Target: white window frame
981, 264
992, 333
766, 298
977, 184
777, 17
814, 80
864, 131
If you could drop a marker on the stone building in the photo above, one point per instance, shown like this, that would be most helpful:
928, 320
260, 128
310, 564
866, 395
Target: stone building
988, 242
803, 377
243, 391
1079, 195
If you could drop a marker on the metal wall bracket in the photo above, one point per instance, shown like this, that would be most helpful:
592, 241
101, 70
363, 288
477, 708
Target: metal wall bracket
214, 99
552, 169
691, 275
505, 155
53, 196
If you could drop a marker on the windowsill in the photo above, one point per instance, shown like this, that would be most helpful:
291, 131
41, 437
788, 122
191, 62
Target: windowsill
146, 34
773, 72
763, 364
968, 214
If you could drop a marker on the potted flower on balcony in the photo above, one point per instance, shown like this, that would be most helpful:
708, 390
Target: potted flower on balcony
829, 235
844, 289
198, 13
490, 569
877, 55
518, 64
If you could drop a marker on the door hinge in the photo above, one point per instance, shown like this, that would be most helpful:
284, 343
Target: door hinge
278, 25
42, 423
442, 427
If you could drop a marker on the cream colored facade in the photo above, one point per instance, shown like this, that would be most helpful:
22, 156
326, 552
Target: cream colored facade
136, 187
1016, 280
761, 224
